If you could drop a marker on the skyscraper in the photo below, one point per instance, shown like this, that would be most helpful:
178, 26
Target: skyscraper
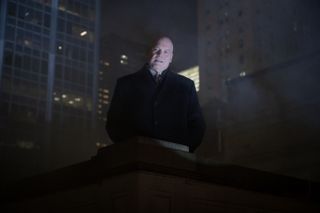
48, 76
119, 56
259, 63
240, 38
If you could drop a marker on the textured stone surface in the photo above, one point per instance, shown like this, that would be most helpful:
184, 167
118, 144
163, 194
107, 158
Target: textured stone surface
145, 177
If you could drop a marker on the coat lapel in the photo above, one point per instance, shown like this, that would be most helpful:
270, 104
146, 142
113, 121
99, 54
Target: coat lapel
147, 85
144, 82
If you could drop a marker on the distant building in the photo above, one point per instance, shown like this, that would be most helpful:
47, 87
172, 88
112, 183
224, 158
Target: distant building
49, 70
119, 56
193, 74
239, 38
259, 63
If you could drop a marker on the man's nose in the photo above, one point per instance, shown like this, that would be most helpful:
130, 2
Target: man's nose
159, 52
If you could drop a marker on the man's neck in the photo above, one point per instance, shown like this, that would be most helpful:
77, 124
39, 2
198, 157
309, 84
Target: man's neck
154, 72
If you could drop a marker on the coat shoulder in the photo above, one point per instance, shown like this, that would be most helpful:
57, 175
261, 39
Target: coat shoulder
132, 76
127, 77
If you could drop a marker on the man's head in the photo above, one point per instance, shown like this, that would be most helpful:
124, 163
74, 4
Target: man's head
161, 54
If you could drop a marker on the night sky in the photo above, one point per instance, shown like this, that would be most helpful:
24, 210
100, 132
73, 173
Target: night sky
143, 20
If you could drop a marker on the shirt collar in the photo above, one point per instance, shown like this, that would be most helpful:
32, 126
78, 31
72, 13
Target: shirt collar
153, 72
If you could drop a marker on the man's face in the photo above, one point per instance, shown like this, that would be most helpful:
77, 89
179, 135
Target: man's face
161, 55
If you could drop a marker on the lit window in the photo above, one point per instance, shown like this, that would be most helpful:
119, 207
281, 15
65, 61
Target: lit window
60, 47
56, 98
242, 74
106, 64
100, 145
123, 62
77, 99
106, 91
71, 102
124, 57
106, 96
64, 96
193, 74
83, 33
27, 42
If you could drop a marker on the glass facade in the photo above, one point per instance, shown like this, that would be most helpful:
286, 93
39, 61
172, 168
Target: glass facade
49, 68
28, 42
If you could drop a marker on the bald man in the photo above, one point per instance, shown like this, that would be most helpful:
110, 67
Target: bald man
157, 103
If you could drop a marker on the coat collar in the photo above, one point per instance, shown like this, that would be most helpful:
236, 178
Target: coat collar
146, 68
168, 84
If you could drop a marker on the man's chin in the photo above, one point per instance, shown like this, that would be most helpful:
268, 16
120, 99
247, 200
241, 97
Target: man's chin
158, 68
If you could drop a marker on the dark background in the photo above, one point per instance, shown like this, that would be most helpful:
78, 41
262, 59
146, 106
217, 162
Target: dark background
258, 64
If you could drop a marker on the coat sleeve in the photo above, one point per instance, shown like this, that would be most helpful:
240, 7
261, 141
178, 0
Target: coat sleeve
196, 124
117, 117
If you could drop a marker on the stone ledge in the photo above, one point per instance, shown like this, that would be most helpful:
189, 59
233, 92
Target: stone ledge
135, 156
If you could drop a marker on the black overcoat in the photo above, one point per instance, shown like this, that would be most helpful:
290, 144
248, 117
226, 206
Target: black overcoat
168, 111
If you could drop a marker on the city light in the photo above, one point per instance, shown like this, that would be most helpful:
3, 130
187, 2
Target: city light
64, 96
242, 74
123, 62
56, 98
60, 47
27, 42
193, 74
71, 102
100, 145
124, 57
77, 99
83, 33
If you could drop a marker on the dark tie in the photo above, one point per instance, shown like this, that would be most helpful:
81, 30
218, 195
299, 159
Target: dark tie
158, 78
